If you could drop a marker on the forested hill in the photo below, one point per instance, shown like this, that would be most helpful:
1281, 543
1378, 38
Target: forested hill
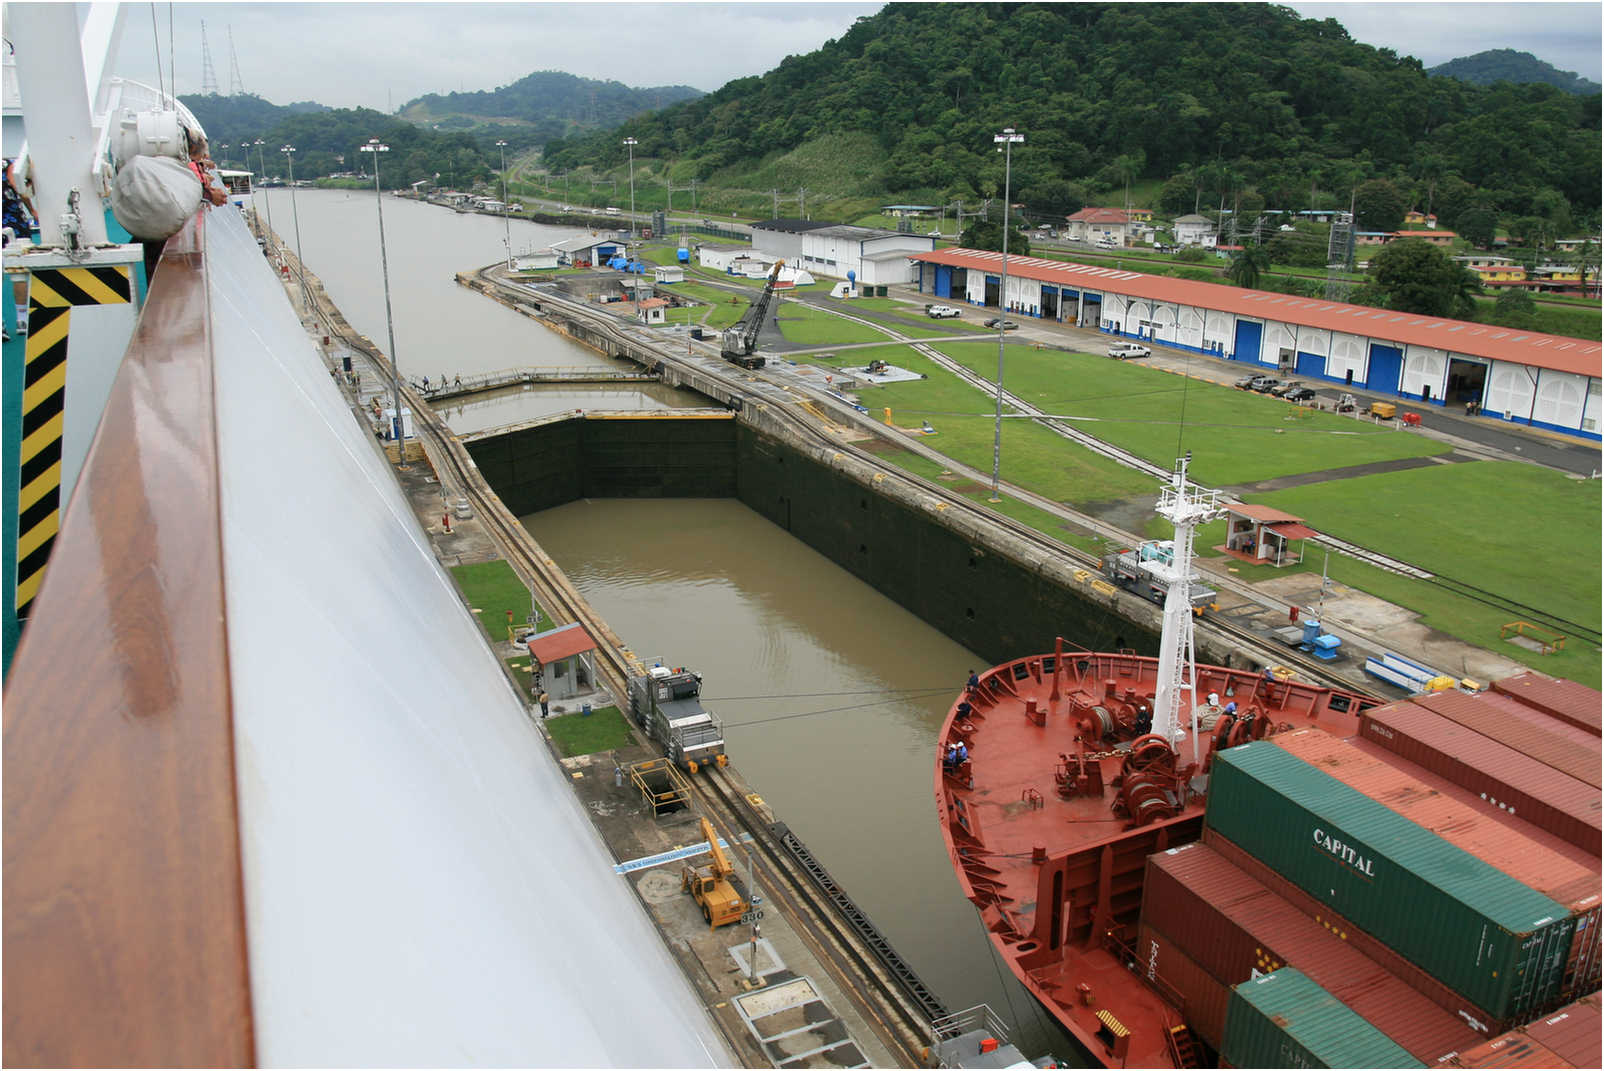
555, 102
327, 140
1223, 97
1507, 65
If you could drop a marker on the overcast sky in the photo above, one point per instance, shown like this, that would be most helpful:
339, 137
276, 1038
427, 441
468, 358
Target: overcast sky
380, 55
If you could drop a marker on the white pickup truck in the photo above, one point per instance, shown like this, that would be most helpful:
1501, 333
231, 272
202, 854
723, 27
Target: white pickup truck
941, 312
1122, 350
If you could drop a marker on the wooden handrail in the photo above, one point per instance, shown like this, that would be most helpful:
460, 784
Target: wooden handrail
124, 931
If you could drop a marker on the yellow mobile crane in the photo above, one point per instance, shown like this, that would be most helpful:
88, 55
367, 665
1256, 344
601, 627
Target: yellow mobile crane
711, 886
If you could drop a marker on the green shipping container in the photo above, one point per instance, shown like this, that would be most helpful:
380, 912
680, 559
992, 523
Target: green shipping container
1283, 1019
1498, 943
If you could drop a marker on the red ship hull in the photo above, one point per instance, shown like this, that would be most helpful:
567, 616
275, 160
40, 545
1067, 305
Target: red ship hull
1049, 824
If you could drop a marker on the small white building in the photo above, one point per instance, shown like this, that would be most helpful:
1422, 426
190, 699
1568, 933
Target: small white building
589, 250
536, 260
723, 257
566, 660
652, 311
669, 273
1192, 229
1092, 224
870, 254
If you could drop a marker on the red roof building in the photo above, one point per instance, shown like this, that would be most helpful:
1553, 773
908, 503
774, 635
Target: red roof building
1549, 381
1261, 535
565, 659
1090, 224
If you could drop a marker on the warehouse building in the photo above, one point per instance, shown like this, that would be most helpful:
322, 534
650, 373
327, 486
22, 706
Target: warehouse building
1547, 381
872, 255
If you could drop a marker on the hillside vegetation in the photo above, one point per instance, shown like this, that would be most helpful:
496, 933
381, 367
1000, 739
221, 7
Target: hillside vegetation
1507, 65
1229, 100
554, 103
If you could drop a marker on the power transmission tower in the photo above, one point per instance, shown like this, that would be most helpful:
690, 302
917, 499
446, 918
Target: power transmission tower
236, 84
208, 76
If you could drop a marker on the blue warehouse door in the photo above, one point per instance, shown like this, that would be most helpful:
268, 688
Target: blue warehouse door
1247, 341
944, 280
1386, 368
1311, 364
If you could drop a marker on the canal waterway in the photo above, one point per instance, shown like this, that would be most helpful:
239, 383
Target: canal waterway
512, 405
831, 697
440, 327
831, 694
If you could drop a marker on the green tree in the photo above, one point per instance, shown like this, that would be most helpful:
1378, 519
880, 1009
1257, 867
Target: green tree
1179, 194
981, 234
1478, 227
1378, 205
1418, 277
1247, 265
1514, 307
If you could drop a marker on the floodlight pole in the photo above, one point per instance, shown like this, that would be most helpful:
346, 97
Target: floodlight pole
505, 208
373, 146
289, 157
261, 154
1006, 141
630, 144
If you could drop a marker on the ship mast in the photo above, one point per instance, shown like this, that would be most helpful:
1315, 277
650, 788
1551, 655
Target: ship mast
1185, 505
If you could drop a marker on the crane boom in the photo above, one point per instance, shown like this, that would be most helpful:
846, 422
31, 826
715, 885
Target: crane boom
740, 340
721, 862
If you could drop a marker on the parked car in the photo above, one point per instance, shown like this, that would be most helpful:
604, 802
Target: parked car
941, 312
1246, 382
1280, 389
1007, 325
1265, 384
1122, 350
1299, 395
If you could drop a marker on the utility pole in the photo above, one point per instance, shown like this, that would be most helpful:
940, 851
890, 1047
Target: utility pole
775, 194
506, 220
802, 201
1006, 141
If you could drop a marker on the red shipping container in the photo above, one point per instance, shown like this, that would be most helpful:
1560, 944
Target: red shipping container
1573, 1032
1535, 865
1506, 778
1256, 932
1416, 978
1202, 999
1566, 700
1514, 725
1513, 1049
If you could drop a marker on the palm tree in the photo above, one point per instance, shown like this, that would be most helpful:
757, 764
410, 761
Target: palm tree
1247, 265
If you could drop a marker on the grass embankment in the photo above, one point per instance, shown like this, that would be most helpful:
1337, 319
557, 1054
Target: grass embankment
1547, 558
575, 734
492, 590
808, 326
1235, 436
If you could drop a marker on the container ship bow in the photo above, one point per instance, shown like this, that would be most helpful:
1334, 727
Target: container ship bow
1138, 906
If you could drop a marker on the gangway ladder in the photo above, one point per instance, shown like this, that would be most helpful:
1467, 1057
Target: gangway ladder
1183, 1050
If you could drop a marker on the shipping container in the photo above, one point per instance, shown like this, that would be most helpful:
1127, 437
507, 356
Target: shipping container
1479, 931
1566, 700
1563, 880
1499, 718
1573, 1032
1482, 1022
1257, 934
1513, 1049
1198, 995
1286, 1020
1507, 779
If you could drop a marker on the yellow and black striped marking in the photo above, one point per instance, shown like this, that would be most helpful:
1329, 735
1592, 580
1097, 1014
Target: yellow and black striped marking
52, 295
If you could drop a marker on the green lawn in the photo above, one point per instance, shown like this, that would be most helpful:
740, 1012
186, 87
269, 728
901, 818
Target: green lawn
492, 589
1235, 436
963, 417
809, 326
576, 734
1529, 534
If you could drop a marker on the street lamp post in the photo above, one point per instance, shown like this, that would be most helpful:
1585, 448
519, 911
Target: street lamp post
261, 154
505, 218
1005, 142
373, 146
289, 157
630, 143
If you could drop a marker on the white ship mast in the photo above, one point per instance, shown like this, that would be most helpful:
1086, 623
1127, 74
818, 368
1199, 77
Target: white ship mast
1185, 505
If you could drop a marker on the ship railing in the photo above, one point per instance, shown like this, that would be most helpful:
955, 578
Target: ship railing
1126, 954
959, 1023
